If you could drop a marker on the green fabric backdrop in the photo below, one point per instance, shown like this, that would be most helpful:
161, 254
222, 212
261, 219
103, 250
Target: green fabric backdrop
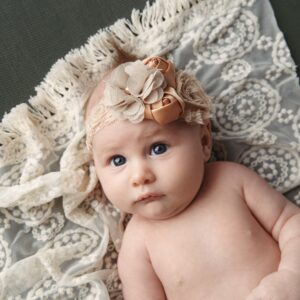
35, 33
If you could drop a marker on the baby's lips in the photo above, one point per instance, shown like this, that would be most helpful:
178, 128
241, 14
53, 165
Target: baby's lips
149, 196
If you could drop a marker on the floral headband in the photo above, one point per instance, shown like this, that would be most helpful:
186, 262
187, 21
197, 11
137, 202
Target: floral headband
149, 89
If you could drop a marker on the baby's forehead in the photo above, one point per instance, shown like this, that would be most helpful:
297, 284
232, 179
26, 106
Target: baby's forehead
124, 132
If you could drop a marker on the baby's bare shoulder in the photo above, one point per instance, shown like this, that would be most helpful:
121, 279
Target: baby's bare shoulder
133, 241
227, 166
228, 171
136, 233
223, 176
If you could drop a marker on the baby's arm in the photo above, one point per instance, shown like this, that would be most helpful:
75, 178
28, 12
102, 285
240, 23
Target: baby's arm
281, 219
138, 278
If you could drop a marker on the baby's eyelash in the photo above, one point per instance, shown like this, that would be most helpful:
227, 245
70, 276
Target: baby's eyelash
117, 160
158, 148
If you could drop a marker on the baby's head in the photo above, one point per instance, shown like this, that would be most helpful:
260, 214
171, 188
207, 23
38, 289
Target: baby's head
149, 133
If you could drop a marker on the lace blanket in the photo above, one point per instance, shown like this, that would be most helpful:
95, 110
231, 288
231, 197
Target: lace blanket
59, 237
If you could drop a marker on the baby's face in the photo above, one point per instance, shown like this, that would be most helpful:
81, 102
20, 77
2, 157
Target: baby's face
151, 170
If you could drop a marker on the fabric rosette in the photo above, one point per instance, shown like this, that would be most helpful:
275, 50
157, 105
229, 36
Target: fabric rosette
132, 86
165, 66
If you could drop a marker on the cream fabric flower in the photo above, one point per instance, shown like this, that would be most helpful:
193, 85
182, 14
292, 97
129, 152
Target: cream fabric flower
130, 87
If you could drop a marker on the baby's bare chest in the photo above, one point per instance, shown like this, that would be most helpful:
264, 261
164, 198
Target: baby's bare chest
211, 246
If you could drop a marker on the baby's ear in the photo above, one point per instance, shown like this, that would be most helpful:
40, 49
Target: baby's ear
206, 139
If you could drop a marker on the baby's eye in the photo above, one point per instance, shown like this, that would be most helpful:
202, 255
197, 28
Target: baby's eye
157, 149
118, 160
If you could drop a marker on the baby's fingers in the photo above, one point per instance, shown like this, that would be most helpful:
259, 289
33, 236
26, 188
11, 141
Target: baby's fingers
257, 294
276, 286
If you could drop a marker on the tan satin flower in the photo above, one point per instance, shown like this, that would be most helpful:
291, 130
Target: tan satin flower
169, 109
165, 66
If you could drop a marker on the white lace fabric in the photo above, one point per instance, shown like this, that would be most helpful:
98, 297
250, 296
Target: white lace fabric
59, 236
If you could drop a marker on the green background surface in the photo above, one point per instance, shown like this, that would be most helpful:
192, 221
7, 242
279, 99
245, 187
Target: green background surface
36, 33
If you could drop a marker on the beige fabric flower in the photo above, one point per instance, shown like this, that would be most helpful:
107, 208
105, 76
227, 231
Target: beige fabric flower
131, 86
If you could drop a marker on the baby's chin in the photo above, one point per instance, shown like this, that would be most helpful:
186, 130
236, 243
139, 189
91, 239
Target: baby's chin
154, 211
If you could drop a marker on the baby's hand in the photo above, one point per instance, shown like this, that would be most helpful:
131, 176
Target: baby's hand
281, 285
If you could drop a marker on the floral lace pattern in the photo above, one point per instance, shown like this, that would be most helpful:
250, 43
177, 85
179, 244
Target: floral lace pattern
280, 167
226, 37
246, 106
236, 70
256, 115
54, 218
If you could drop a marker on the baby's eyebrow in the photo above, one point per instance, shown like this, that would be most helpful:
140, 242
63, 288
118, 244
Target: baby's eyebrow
106, 149
113, 147
153, 132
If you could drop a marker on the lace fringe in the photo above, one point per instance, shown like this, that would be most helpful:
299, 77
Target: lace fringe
78, 72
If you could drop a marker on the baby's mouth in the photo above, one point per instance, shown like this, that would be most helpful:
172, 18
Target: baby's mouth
149, 197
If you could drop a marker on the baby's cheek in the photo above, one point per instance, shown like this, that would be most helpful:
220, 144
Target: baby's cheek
114, 194
108, 189
105, 186
192, 180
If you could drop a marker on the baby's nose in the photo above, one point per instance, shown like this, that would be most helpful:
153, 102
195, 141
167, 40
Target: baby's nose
142, 174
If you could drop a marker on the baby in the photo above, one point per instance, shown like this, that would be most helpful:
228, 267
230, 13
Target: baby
199, 230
